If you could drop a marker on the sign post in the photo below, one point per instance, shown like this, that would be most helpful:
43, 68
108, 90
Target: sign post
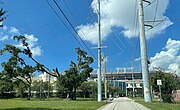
159, 83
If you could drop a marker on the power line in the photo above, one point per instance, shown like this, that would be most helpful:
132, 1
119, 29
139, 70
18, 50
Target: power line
127, 39
117, 44
70, 12
165, 19
150, 3
39, 27
86, 3
120, 40
63, 22
76, 21
113, 33
135, 18
135, 29
155, 13
155, 26
160, 21
73, 27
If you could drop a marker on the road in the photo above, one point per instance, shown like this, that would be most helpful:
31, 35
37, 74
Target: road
123, 103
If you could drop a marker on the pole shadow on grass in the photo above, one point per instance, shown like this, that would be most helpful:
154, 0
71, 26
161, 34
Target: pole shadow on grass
29, 109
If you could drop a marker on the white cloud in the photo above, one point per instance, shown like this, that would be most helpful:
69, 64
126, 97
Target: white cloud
137, 59
3, 38
4, 27
32, 41
8, 32
36, 51
169, 58
120, 14
14, 31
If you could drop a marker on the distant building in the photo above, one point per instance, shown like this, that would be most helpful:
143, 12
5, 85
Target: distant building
177, 95
45, 77
127, 81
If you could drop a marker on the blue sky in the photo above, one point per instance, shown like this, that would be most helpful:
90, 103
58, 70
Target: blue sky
54, 46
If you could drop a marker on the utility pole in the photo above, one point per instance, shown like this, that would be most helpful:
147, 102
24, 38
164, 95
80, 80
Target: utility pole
40, 89
104, 59
144, 63
49, 85
133, 79
99, 53
125, 84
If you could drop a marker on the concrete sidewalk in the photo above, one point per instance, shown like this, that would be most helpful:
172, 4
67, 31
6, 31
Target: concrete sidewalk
123, 103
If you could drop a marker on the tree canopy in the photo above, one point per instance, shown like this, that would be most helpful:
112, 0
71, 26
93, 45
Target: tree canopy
77, 73
16, 67
6, 85
2, 16
170, 83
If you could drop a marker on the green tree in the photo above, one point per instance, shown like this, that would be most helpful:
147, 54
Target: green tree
85, 87
89, 89
60, 88
36, 85
20, 89
2, 17
6, 85
41, 88
169, 84
77, 73
93, 89
16, 67
113, 90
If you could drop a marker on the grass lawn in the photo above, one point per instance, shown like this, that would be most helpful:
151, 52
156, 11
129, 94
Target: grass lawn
51, 104
156, 105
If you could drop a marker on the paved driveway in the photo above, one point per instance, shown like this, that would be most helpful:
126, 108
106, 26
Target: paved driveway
123, 103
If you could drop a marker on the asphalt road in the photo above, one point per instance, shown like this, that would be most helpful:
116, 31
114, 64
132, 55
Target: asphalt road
123, 103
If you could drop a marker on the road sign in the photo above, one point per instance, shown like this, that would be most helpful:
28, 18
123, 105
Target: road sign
159, 82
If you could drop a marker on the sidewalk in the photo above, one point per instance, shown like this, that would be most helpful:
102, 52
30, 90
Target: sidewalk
123, 103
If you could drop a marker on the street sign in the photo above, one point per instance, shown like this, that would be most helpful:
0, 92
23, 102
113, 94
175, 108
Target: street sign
159, 82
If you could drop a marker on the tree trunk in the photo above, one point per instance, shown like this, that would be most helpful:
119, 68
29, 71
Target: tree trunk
84, 95
74, 94
67, 96
29, 93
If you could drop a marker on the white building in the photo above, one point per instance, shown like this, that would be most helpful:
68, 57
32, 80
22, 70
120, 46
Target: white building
45, 77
